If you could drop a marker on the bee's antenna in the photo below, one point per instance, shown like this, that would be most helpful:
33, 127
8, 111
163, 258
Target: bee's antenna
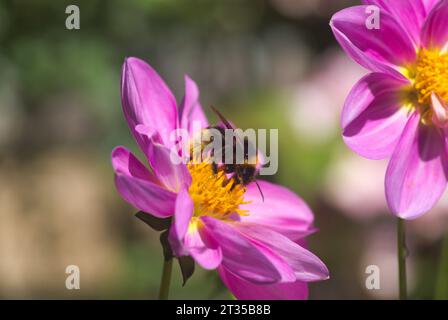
259, 189
222, 118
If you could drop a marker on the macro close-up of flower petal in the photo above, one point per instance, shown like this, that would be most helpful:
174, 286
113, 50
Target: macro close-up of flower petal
399, 110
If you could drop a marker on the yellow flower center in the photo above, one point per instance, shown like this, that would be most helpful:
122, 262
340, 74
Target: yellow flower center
428, 75
431, 75
213, 194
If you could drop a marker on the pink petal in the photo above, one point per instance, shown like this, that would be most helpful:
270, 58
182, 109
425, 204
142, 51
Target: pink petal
165, 161
380, 49
373, 117
307, 267
173, 175
181, 220
203, 247
124, 162
147, 135
416, 177
282, 210
440, 108
409, 14
245, 290
139, 187
429, 4
188, 237
435, 31
147, 100
244, 258
190, 108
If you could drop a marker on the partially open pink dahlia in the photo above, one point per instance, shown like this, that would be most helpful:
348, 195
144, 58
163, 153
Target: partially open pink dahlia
400, 110
253, 244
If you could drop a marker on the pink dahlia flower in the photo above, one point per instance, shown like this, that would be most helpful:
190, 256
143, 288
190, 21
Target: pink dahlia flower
253, 244
400, 110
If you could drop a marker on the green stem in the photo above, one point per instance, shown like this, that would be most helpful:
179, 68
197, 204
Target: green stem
166, 279
442, 277
401, 250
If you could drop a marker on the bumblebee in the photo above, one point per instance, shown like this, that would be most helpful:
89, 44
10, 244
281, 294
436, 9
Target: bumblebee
242, 173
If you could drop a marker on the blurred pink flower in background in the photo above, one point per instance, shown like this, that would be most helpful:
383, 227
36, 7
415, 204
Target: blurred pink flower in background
434, 225
400, 111
355, 186
253, 243
318, 98
380, 253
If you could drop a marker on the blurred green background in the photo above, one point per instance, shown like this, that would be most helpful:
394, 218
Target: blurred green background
264, 63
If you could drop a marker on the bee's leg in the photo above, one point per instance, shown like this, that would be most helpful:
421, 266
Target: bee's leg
229, 168
236, 181
215, 167
214, 162
191, 153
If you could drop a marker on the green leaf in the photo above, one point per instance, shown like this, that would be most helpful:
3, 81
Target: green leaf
442, 277
155, 223
186, 264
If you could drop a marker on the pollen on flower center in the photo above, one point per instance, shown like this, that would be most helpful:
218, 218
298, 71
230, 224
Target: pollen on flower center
213, 194
431, 75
